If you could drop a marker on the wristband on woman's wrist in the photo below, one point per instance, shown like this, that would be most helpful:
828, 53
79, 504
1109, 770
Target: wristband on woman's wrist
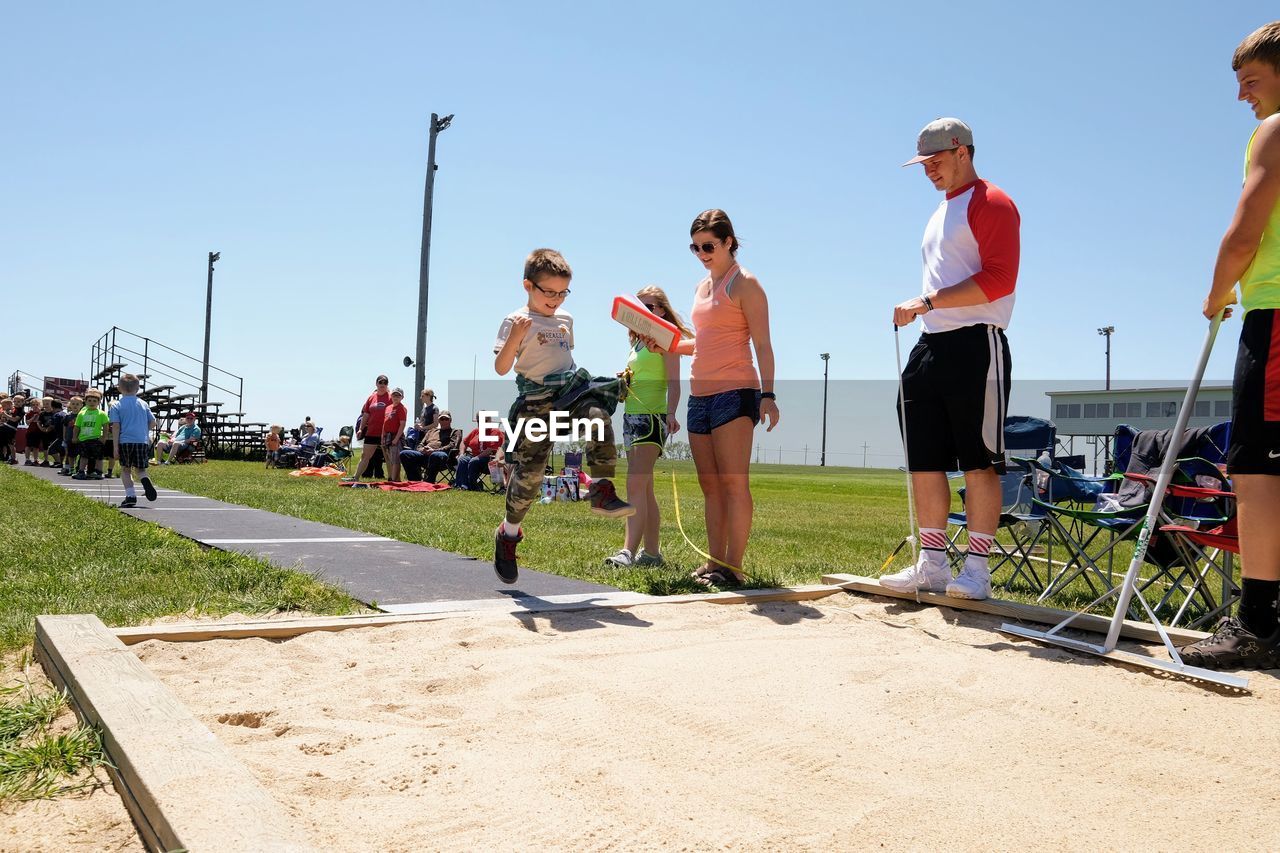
768, 395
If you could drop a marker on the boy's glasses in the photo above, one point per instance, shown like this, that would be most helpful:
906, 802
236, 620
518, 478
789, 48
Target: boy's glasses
551, 294
703, 248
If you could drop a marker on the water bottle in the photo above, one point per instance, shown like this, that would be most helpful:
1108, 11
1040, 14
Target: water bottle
1042, 473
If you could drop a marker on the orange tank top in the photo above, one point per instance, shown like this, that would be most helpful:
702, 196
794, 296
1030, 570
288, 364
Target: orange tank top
722, 341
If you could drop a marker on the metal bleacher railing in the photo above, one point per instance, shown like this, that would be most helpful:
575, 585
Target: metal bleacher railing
171, 383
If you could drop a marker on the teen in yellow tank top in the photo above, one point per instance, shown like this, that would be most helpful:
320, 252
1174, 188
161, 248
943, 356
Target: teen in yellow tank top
1260, 284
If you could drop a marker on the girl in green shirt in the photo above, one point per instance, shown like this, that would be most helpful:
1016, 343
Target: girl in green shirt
649, 417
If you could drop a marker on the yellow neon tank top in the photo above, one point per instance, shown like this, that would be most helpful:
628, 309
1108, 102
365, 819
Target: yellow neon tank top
1260, 284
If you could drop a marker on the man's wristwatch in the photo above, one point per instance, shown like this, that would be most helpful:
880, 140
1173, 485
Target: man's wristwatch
768, 395
928, 304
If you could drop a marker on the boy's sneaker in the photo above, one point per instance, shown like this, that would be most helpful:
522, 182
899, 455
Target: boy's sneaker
148, 489
129, 501
621, 560
504, 555
96, 475
605, 501
972, 583
66, 472
923, 576
646, 559
1233, 646
79, 475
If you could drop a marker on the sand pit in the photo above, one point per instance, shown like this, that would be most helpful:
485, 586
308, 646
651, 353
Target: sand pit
846, 723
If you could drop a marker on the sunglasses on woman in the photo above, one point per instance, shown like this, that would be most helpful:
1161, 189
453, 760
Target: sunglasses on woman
703, 248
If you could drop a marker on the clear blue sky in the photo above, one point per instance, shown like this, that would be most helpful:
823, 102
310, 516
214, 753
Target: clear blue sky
292, 138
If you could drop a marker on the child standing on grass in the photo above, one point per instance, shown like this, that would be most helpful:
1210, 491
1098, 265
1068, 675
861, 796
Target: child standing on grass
70, 436
649, 419
537, 340
273, 445
393, 420
34, 436
90, 423
8, 432
131, 422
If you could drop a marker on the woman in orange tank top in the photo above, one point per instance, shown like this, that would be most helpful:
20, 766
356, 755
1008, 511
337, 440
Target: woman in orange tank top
728, 397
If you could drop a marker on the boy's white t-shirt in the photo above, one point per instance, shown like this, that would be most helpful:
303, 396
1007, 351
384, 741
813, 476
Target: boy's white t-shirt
547, 347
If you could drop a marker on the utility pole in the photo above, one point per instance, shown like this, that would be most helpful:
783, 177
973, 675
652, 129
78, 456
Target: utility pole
864, 454
214, 257
420, 370
826, 363
1107, 332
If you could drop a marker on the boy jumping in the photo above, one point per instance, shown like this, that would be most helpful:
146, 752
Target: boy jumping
538, 340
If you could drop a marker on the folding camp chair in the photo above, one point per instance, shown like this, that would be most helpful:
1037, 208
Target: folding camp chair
1092, 535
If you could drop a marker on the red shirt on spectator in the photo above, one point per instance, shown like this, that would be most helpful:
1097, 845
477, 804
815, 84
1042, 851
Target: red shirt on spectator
475, 447
373, 410
393, 418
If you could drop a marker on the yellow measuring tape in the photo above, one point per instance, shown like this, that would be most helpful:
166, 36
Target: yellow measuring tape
675, 493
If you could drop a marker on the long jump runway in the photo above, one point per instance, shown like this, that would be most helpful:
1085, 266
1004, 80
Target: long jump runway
372, 569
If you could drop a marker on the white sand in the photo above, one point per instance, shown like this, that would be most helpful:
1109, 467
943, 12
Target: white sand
848, 723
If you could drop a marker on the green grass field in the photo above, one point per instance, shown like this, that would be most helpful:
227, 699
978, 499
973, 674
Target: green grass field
66, 554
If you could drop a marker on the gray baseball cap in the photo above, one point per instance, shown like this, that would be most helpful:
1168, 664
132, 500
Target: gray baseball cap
940, 135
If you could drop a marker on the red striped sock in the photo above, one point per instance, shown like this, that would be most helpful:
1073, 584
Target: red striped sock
933, 539
980, 544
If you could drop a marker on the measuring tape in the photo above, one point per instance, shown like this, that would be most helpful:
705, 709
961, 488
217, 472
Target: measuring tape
675, 494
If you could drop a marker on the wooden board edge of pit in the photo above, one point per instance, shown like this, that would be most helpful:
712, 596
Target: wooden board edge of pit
1018, 611
212, 800
285, 628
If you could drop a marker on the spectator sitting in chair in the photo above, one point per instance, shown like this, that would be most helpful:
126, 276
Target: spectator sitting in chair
439, 446
187, 437
310, 438
475, 458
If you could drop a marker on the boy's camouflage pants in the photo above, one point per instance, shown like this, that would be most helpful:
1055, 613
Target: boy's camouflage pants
530, 457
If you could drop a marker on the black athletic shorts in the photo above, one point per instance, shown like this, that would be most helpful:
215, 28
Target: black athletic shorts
956, 387
1255, 408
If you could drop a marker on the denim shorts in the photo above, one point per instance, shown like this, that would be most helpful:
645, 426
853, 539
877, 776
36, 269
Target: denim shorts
709, 413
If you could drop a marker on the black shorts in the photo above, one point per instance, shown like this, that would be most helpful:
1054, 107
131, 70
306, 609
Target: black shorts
644, 429
956, 386
1255, 408
35, 439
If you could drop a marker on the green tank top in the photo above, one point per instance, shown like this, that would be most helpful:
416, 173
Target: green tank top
1260, 284
648, 395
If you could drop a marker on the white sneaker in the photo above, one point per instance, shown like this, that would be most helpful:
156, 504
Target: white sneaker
621, 560
972, 583
644, 558
922, 576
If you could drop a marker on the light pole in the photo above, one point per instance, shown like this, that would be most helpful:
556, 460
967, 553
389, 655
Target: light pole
1107, 332
826, 363
420, 372
214, 257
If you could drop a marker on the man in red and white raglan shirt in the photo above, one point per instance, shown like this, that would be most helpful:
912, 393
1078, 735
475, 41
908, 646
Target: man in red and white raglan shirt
956, 382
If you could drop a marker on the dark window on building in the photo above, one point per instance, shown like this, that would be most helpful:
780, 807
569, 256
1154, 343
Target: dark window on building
1073, 410
1060, 411
1153, 410
1202, 408
1168, 410
1090, 410
1222, 408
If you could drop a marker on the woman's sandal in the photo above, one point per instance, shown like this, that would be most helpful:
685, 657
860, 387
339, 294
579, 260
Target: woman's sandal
720, 577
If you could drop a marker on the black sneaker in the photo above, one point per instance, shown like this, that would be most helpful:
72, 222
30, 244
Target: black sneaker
605, 501
1233, 646
79, 475
504, 555
129, 501
148, 489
